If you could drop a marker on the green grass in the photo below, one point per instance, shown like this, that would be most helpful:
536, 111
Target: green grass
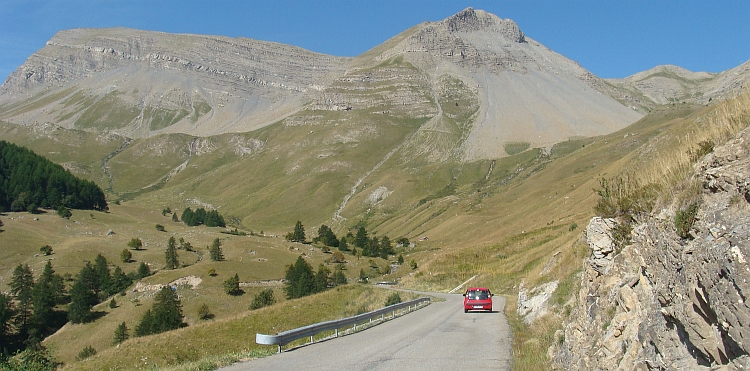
513, 148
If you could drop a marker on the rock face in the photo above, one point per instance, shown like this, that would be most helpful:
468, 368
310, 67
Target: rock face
668, 303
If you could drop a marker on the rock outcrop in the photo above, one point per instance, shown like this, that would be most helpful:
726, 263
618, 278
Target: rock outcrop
668, 303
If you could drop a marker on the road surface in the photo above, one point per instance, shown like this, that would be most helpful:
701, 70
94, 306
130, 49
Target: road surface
438, 337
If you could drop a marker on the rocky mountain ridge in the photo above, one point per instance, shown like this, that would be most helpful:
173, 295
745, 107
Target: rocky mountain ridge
140, 84
673, 84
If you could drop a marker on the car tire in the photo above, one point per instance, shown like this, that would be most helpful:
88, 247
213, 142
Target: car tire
466, 310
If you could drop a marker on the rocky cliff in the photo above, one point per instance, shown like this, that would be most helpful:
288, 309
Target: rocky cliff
665, 302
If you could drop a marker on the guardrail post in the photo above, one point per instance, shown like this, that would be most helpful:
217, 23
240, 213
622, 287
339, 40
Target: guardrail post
337, 333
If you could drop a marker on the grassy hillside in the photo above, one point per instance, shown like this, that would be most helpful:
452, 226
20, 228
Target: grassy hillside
512, 222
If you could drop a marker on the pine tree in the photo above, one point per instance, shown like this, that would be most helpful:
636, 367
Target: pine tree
343, 245
171, 255
232, 285
102, 276
120, 281
146, 326
83, 296
174, 218
43, 299
321, 278
188, 217
299, 232
164, 315
22, 286
361, 240
215, 250
385, 247
121, 334
7, 313
338, 278
143, 270
300, 279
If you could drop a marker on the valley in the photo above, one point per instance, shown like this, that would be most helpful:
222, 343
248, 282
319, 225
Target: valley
482, 147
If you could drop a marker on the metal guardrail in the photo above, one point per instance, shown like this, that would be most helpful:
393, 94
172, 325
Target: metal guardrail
286, 337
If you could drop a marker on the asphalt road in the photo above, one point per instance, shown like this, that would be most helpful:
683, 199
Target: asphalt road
438, 337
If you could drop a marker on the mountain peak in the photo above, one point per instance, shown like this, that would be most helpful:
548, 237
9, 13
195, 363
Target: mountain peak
471, 20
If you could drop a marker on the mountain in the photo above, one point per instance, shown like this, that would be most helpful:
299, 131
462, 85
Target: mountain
140, 84
673, 84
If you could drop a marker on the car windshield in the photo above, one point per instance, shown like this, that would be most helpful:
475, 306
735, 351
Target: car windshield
478, 295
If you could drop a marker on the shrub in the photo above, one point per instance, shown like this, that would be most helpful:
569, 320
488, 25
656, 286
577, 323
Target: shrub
232, 285
392, 299
87, 352
126, 255
113, 303
684, 220
32, 359
160, 228
413, 264
64, 212
573, 227
263, 299
46, 250
212, 272
135, 243
704, 147
204, 313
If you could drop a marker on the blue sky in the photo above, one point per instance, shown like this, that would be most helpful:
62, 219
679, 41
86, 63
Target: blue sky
609, 38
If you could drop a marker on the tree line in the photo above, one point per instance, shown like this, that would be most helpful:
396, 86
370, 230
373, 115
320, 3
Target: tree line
30, 312
210, 218
29, 181
360, 242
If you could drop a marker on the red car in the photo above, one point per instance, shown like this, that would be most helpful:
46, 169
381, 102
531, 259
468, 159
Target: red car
478, 298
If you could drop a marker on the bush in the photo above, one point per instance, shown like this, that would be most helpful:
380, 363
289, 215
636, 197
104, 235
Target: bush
392, 299
684, 220
204, 313
212, 272
263, 299
232, 285
135, 243
86, 352
125, 256
160, 228
30, 360
64, 212
46, 250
